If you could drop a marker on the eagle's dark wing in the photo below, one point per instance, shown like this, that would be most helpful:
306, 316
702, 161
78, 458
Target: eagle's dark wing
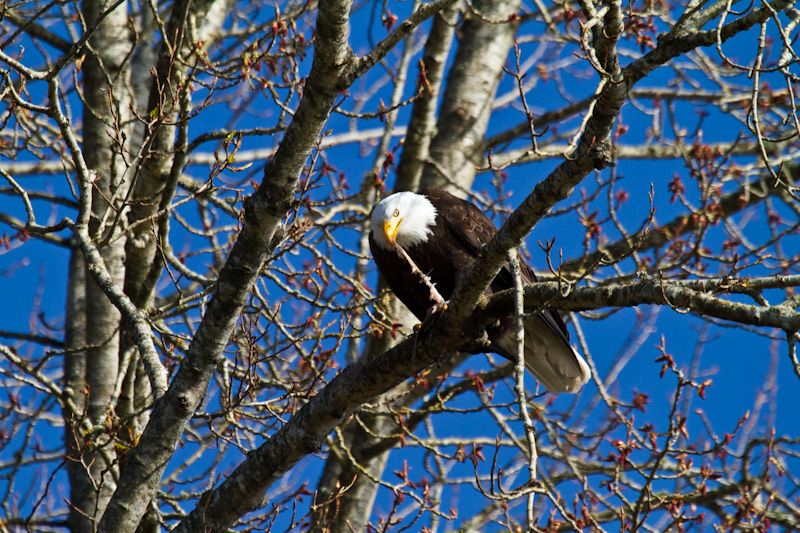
473, 229
468, 223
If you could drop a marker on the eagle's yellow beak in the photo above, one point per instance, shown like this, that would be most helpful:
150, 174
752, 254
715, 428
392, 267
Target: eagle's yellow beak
390, 229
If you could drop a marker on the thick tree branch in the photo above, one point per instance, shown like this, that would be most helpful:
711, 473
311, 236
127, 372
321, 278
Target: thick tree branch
593, 152
693, 296
306, 432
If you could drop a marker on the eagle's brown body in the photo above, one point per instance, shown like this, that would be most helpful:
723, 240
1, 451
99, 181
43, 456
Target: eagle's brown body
459, 231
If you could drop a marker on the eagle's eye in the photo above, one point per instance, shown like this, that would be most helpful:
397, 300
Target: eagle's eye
396, 213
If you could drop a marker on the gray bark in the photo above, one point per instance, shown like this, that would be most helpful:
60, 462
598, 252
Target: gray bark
105, 86
75, 382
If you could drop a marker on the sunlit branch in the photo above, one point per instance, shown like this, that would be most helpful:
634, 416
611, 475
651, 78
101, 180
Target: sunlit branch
519, 379
688, 296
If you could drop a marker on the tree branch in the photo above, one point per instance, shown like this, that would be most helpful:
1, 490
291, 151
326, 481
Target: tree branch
695, 296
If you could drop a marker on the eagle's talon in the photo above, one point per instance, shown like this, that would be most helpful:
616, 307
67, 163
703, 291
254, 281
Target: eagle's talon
430, 318
433, 314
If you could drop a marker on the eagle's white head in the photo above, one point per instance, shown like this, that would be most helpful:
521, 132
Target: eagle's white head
404, 218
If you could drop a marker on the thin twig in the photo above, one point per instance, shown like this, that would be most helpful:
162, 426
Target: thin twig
519, 375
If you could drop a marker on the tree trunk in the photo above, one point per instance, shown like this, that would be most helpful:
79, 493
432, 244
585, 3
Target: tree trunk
106, 125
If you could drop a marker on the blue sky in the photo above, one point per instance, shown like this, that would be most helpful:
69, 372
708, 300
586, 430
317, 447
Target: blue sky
33, 274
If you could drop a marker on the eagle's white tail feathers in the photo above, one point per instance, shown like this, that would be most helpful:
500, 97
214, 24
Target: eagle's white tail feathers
554, 363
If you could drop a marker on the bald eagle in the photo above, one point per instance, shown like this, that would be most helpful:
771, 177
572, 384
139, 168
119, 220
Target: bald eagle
443, 234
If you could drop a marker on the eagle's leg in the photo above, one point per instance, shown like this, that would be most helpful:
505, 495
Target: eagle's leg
439, 304
435, 296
